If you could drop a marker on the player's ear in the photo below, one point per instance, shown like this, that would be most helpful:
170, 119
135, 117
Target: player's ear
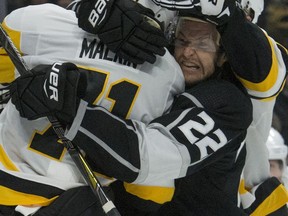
221, 59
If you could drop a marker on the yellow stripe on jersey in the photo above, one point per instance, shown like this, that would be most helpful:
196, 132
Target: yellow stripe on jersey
278, 92
7, 68
270, 80
242, 189
11, 197
154, 193
7, 163
277, 199
271, 86
246, 197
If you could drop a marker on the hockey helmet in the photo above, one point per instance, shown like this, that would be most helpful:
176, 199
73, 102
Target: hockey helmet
276, 147
253, 8
176, 24
163, 15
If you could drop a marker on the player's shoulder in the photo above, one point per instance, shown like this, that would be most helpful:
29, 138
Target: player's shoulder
210, 85
222, 96
36, 14
167, 64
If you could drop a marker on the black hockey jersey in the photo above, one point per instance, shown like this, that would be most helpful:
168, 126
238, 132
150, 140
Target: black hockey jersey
206, 123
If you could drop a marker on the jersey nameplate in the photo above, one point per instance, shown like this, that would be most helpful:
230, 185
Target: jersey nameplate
95, 49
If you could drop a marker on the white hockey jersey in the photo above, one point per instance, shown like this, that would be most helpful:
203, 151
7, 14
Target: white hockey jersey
48, 33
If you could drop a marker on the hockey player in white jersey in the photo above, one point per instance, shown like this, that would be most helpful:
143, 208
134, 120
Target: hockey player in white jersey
49, 33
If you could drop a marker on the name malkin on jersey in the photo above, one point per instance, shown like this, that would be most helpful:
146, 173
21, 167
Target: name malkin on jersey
97, 49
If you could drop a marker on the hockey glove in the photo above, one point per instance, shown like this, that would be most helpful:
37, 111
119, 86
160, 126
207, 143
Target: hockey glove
126, 27
216, 12
49, 91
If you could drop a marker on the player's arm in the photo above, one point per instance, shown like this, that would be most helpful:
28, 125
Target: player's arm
265, 192
195, 134
49, 90
126, 27
257, 60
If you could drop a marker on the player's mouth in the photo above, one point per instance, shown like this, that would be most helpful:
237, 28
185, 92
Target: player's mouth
190, 65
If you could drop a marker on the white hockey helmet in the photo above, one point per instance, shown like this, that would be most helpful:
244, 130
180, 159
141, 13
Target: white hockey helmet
163, 15
276, 146
253, 6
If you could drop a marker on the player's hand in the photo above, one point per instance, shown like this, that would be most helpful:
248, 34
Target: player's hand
49, 90
126, 27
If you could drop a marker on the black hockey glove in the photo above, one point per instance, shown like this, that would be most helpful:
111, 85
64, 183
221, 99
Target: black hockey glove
49, 91
126, 27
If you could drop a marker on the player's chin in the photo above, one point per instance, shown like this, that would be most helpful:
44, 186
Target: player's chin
192, 79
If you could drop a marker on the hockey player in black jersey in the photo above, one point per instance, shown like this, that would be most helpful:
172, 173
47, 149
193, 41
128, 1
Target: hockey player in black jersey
261, 72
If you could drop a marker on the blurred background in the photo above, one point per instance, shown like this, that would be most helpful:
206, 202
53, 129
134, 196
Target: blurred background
274, 20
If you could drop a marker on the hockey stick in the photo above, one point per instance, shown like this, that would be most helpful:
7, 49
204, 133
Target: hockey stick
75, 153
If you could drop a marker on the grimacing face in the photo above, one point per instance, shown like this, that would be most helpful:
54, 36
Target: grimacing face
196, 50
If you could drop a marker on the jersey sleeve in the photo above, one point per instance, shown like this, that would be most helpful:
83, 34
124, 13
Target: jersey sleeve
195, 133
257, 60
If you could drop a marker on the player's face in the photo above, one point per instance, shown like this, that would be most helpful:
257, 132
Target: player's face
196, 50
275, 169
